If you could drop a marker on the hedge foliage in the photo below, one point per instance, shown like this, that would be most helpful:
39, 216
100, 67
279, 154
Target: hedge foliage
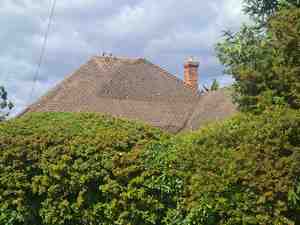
75, 169
243, 171
71, 169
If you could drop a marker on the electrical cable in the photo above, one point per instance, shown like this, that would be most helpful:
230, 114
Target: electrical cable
43, 49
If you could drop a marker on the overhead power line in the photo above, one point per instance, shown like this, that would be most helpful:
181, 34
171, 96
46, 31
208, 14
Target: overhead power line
43, 49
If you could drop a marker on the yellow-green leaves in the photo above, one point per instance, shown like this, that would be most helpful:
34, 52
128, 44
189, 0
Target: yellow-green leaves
72, 169
65, 168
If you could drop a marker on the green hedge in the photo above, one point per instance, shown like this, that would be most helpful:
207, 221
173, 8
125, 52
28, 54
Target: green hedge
245, 170
63, 168
71, 169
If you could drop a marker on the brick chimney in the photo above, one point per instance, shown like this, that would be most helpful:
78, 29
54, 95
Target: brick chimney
191, 73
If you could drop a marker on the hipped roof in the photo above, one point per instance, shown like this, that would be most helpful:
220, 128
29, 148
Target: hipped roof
134, 89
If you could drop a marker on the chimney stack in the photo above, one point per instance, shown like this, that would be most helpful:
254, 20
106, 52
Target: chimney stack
191, 73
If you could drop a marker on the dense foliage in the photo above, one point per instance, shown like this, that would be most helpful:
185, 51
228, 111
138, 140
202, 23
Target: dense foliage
261, 10
5, 104
265, 62
70, 169
243, 171
76, 169
261, 151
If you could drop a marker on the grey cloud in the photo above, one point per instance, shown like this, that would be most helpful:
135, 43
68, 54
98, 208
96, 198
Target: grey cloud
165, 32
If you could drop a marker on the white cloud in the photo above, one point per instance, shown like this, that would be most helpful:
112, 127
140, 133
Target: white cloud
166, 32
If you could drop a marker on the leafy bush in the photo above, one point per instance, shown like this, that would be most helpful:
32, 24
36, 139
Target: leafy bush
243, 171
70, 169
63, 168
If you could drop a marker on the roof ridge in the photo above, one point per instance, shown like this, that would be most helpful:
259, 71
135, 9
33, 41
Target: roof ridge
114, 58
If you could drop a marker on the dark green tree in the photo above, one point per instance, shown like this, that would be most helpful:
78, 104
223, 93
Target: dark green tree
264, 58
261, 10
5, 104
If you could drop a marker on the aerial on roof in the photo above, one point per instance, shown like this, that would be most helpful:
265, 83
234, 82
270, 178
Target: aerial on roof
139, 90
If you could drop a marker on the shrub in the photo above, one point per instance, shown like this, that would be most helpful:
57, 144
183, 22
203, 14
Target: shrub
64, 168
243, 171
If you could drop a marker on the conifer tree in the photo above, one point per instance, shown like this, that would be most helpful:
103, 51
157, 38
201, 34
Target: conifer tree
264, 57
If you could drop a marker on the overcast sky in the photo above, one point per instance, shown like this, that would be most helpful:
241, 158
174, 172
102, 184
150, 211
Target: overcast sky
164, 31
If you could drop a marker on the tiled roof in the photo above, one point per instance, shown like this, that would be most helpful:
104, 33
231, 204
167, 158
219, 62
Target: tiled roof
131, 88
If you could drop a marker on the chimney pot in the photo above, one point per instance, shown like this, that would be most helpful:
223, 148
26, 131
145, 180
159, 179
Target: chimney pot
191, 73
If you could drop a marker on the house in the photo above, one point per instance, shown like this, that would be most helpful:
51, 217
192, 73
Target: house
139, 90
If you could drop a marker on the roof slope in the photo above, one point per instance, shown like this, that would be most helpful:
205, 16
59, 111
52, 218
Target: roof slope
213, 106
130, 88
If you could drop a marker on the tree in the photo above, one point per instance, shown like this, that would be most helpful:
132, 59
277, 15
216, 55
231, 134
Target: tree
5, 104
264, 58
261, 10
215, 85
